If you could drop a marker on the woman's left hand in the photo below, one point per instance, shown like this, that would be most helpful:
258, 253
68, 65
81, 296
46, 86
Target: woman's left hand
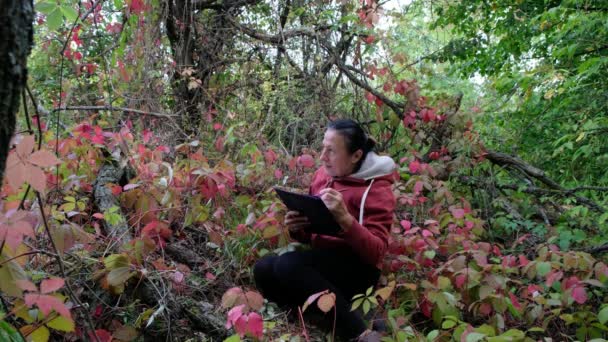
335, 203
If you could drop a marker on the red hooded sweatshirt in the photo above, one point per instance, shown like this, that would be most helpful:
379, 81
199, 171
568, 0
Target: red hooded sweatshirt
370, 200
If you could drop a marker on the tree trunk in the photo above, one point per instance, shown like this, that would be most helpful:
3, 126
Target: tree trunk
16, 40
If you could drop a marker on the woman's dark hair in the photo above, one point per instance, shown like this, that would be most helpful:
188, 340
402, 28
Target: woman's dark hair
355, 137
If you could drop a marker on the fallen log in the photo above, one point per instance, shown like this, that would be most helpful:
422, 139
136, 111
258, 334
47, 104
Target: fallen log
104, 200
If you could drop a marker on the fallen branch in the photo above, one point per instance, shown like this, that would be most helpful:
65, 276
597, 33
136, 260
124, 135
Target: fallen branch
598, 250
115, 109
105, 199
505, 160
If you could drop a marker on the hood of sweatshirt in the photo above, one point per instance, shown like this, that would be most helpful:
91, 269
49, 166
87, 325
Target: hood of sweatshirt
375, 166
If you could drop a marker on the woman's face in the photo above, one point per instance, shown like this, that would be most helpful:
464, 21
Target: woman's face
336, 158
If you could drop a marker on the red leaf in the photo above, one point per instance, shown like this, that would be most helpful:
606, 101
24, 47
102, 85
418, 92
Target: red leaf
579, 294
13, 228
26, 285
51, 285
233, 296
311, 299
44, 158
306, 160
15, 171
414, 166
278, 174
460, 280
457, 213
514, 301
369, 39
326, 302
136, 6
553, 276
36, 177
270, 156
255, 325
485, 309
234, 314
26, 146
254, 300
371, 98
103, 336
47, 303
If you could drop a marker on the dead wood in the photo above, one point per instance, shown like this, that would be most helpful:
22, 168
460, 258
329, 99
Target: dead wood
105, 199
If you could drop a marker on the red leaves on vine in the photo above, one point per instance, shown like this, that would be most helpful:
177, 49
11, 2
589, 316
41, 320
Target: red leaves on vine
25, 165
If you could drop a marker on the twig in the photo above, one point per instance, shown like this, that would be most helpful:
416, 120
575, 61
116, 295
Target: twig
599, 249
116, 109
303, 325
62, 267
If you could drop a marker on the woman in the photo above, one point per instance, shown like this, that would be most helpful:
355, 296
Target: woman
355, 185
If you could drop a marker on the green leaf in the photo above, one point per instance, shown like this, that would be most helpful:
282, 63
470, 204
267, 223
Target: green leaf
70, 13
602, 316
432, 335
603, 218
119, 4
448, 324
366, 306
474, 337
233, 338
8, 333
543, 268
356, 304
46, 7
54, 19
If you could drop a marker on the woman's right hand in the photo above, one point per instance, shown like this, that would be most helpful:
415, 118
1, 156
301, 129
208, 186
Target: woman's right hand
295, 221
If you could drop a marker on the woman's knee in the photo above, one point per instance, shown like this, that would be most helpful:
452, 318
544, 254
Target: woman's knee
289, 264
263, 270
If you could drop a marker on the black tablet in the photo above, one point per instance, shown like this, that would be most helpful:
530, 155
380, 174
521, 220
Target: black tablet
321, 219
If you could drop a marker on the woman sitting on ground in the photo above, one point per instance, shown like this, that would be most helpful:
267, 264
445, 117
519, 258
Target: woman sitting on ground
355, 185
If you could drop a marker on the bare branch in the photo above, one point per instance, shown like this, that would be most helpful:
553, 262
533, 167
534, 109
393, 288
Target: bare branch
116, 109
281, 37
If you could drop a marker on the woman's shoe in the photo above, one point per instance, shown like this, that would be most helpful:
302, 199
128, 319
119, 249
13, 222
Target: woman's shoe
369, 336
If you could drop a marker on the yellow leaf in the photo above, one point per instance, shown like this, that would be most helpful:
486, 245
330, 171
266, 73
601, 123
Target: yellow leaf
385, 292
41, 334
22, 311
9, 273
580, 137
119, 276
270, 231
115, 261
62, 324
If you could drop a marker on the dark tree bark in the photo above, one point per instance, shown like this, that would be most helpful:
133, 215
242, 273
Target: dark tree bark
201, 38
16, 40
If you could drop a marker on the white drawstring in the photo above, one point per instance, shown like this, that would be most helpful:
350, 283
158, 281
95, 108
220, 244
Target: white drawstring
363, 202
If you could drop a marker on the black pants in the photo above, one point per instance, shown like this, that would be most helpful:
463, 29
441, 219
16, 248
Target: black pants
290, 278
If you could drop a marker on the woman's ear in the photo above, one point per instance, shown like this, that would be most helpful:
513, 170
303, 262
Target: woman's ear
355, 157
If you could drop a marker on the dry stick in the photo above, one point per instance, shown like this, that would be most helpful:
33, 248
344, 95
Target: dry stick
303, 325
26, 254
333, 331
62, 267
115, 109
